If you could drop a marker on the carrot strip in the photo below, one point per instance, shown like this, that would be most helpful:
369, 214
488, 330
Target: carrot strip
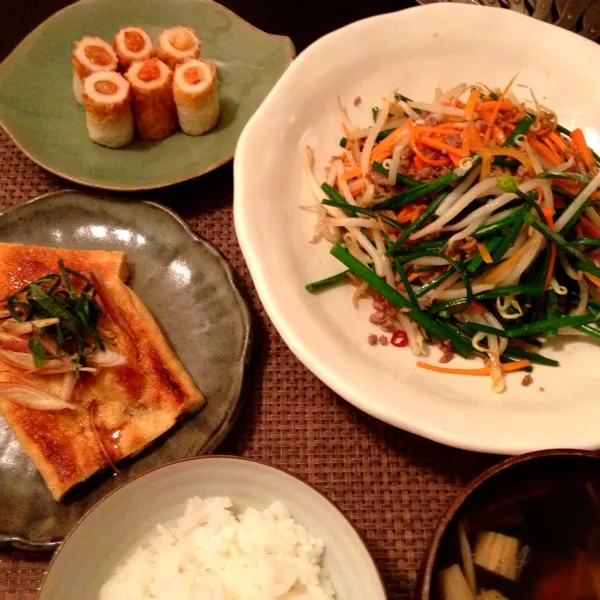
439, 145
485, 253
499, 136
478, 308
590, 229
419, 164
557, 139
583, 149
595, 280
506, 368
405, 213
494, 115
544, 151
486, 164
552, 260
384, 148
471, 103
351, 174
494, 104
573, 187
500, 271
430, 161
548, 141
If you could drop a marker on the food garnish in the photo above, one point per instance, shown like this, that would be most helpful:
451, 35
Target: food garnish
51, 326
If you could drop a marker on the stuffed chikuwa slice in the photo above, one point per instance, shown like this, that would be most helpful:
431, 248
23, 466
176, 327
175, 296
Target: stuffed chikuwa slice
107, 103
90, 55
131, 44
177, 44
152, 94
196, 96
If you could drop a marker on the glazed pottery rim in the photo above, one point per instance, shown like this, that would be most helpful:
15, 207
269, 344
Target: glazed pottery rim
425, 574
290, 55
229, 419
231, 457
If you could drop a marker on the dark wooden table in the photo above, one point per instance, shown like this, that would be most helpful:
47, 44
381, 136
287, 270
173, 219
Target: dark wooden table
393, 485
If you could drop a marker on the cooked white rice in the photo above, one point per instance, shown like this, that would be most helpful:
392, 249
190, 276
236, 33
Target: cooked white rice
212, 554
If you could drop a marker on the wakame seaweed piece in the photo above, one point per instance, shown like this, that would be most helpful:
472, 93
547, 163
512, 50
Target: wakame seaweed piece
432, 326
416, 193
400, 178
327, 282
521, 128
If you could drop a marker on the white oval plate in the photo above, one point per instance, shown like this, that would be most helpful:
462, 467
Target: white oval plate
415, 49
127, 518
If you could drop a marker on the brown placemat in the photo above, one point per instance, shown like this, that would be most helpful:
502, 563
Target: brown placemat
392, 485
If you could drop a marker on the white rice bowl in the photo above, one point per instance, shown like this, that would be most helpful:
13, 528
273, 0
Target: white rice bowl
211, 553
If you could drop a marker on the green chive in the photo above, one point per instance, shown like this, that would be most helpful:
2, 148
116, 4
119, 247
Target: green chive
430, 325
321, 284
583, 263
564, 175
476, 262
333, 194
416, 224
534, 357
351, 209
521, 128
417, 193
400, 178
548, 324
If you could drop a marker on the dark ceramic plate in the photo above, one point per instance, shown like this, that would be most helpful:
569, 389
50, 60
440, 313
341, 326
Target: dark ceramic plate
188, 286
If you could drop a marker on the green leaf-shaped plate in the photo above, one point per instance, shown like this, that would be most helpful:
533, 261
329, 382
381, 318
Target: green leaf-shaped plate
38, 111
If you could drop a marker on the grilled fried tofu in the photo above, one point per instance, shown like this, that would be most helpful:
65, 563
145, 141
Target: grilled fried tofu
120, 410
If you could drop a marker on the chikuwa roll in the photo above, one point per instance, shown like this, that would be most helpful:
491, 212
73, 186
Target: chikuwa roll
108, 114
177, 44
131, 44
196, 96
152, 95
90, 55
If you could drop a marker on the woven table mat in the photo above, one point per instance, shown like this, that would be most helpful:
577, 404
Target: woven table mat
393, 486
